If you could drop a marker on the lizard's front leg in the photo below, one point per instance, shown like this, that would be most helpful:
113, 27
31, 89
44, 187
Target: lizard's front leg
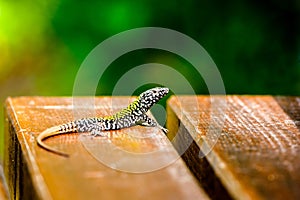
147, 121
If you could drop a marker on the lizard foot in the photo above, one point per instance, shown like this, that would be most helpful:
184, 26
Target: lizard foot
96, 133
164, 130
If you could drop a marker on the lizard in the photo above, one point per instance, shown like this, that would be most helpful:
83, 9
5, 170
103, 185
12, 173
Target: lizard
133, 114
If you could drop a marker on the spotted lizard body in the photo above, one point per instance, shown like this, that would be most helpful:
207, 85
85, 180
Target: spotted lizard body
134, 114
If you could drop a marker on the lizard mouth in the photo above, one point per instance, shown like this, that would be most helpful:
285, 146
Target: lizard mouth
164, 91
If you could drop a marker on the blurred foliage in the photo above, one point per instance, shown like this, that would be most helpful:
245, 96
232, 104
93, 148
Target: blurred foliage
255, 44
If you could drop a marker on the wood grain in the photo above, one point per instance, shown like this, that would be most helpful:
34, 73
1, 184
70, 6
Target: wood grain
257, 151
3, 191
33, 173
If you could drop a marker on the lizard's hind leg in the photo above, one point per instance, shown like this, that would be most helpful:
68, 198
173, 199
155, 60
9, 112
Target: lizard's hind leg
97, 130
97, 133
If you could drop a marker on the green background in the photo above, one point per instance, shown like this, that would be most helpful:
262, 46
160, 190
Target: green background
255, 44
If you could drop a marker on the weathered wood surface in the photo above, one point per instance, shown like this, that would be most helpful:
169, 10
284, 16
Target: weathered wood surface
3, 195
3, 192
257, 153
33, 173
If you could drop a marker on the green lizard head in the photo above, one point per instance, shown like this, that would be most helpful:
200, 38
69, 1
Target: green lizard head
150, 97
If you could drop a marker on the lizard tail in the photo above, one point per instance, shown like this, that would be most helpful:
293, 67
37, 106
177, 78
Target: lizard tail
48, 133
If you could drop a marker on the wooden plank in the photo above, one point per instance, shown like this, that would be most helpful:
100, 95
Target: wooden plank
3, 194
256, 155
34, 173
3, 191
